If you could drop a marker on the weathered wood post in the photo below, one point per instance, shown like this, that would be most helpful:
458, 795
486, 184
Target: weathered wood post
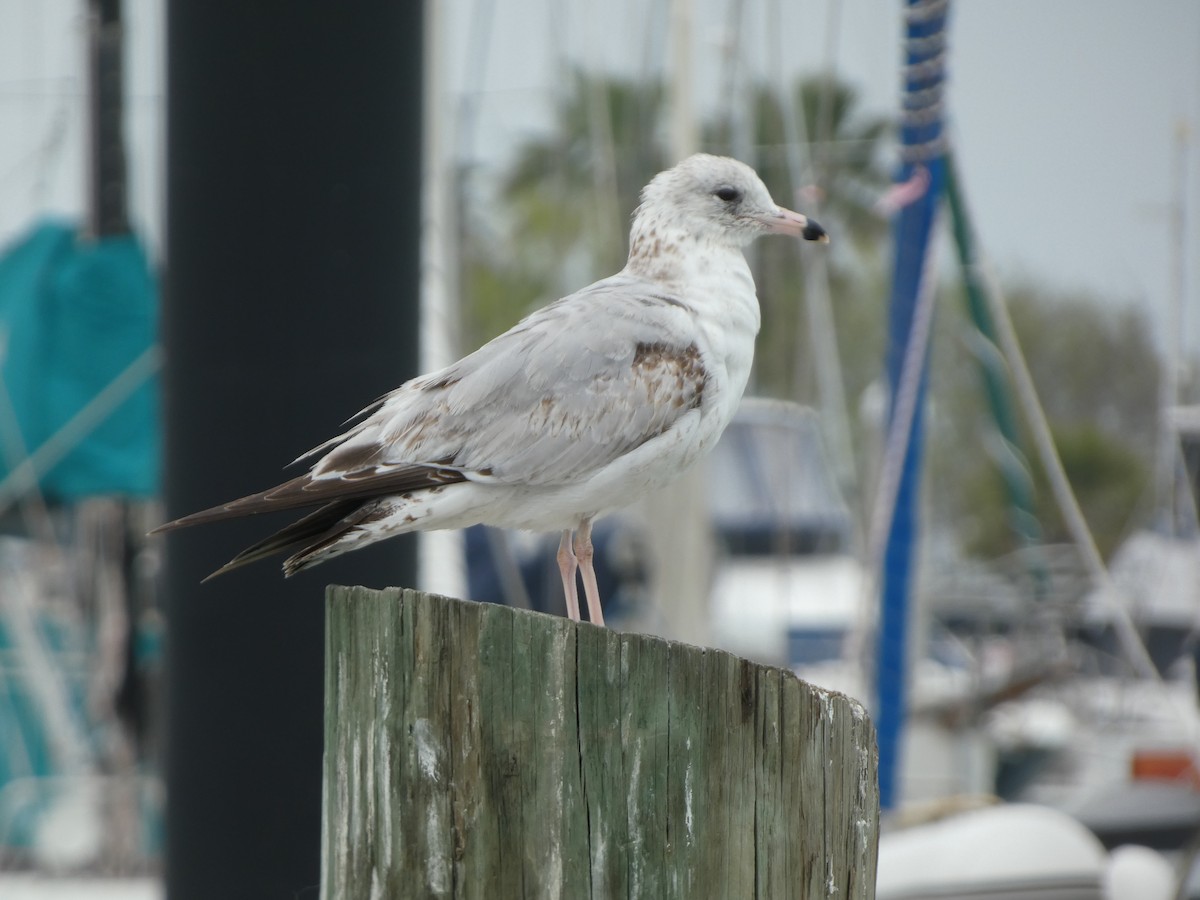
476, 751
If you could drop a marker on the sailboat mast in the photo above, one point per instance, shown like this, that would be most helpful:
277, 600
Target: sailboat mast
108, 212
906, 365
1166, 481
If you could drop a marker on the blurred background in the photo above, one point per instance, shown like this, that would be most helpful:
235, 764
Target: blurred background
1049, 592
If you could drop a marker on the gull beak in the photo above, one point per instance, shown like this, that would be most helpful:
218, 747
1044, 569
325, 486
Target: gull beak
784, 221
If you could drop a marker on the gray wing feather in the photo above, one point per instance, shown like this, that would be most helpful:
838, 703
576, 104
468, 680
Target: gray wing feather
563, 393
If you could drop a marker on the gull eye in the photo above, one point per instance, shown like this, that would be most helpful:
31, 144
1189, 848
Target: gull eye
728, 194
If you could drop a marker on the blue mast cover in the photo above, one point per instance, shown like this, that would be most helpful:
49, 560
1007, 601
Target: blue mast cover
921, 145
74, 314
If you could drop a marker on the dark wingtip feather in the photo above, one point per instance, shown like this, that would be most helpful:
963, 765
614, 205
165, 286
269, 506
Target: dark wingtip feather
304, 490
228, 567
284, 496
308, 534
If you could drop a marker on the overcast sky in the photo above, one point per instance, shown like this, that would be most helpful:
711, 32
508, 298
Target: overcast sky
1063, 113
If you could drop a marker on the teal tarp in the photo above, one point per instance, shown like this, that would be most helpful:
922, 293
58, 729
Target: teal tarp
74, 314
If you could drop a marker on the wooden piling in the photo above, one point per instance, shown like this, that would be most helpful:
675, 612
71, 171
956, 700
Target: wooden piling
477, 751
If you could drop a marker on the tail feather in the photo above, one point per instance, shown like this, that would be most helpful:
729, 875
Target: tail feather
314, 531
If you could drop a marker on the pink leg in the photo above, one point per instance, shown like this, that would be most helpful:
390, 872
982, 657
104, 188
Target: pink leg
583, 553
566, 567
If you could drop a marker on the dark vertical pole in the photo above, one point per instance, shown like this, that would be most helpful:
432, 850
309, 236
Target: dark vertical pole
108, 213
293, 186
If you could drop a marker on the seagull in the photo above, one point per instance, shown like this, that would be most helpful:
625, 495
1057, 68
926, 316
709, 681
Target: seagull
579, 409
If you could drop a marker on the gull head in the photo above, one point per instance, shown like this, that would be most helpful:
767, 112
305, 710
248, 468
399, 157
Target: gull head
717, 199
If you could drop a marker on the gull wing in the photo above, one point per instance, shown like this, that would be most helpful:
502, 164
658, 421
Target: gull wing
565, 392
561, 395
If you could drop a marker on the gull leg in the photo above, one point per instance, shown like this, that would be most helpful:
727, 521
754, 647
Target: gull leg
583, 553
566, 567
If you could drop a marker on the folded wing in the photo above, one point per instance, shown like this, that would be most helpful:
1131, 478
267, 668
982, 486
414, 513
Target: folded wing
567, 391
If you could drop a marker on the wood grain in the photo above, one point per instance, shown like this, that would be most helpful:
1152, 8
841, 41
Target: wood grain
477, 751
